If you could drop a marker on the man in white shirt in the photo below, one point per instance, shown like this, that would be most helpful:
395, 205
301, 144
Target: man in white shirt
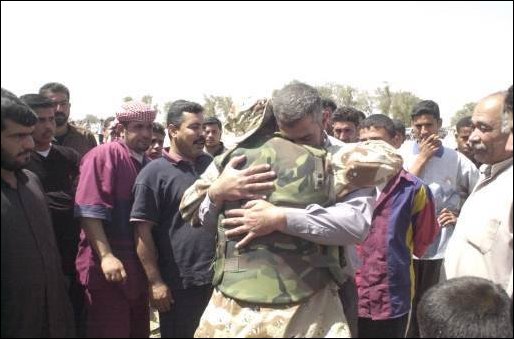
451, 178
482, 243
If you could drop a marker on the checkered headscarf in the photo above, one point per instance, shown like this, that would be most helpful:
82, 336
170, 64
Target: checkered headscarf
136, 111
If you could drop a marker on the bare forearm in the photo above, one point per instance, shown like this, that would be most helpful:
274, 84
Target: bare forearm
418, 166
147, 253
96, 235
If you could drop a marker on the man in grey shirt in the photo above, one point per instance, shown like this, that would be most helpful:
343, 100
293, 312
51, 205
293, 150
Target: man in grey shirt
345, 223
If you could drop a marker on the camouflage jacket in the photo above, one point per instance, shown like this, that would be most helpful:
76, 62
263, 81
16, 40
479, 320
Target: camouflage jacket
278, 268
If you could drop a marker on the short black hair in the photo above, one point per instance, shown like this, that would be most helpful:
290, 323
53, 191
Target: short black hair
399, 127
16, 110
379, 121
465, 307
348, 114
328, 103
212, 121
158, 128
176, 111
464, 122
54, 87
429, 107
37, 101
107, 121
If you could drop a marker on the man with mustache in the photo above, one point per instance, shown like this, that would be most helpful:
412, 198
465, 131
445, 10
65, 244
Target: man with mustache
66, 134
34, 299
451, 178
177, 257
57, 167
482, 243
107, 264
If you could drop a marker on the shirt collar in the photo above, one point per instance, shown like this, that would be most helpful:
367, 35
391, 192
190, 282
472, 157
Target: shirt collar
493, 170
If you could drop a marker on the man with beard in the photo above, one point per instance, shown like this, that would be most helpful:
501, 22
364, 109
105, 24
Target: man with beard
177, 257
107, 263
482, 243
450, 176
66, 134
34, 298
212, 131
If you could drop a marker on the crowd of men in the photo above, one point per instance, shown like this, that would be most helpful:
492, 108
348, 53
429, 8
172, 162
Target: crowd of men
319, 222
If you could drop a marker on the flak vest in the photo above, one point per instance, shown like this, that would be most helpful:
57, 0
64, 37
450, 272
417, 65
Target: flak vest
279, 268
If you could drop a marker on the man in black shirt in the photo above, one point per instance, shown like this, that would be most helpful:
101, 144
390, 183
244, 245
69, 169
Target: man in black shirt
176, 257
57, 167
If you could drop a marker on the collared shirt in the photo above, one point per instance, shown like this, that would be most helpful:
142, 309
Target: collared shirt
35, 301
185, 253
404, 222
451, 178
77, 138
482, 243
104, 192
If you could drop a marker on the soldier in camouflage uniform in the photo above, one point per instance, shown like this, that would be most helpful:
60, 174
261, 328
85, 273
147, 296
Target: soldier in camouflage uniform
284, 284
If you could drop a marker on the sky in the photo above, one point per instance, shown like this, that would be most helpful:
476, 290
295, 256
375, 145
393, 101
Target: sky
450, 52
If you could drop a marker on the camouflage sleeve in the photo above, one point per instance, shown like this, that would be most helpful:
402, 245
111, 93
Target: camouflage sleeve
195, 194
367, 164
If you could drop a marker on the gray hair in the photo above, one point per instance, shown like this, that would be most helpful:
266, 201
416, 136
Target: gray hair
295, 102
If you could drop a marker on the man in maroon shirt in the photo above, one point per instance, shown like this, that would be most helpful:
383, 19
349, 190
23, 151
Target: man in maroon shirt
107, 263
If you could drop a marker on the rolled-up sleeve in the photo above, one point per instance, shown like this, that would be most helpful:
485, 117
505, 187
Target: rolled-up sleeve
345, 223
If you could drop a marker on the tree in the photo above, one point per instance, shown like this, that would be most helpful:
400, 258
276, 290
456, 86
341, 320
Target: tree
365, 102
127, 99
147, 99
384, 99
217, 105
91, 119
401, 106
466, 110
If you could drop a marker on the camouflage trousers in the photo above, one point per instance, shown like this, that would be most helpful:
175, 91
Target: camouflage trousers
321, 316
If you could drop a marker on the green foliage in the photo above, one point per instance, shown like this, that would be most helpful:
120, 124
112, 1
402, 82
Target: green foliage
401, 106
466, 110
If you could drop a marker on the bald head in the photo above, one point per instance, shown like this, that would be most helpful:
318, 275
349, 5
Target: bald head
491, 105
488, 139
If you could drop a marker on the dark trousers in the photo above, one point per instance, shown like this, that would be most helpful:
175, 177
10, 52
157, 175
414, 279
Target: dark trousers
183, 318
427, 274
390, 328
